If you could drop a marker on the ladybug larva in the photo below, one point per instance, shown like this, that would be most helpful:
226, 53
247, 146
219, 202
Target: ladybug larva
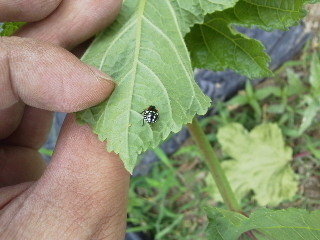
150, 115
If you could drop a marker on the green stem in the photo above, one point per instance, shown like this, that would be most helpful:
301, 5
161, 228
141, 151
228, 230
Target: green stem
214, 165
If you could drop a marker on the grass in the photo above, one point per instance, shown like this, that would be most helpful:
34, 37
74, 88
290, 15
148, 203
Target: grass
162, 202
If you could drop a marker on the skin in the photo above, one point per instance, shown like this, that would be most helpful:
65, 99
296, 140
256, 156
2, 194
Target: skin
82, 193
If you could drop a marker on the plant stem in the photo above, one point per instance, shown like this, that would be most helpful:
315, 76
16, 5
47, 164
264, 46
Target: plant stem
214, 165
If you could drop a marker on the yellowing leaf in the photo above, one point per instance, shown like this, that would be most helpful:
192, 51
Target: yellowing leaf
261, 163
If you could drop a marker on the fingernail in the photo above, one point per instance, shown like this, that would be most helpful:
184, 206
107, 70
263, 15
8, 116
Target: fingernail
101, 75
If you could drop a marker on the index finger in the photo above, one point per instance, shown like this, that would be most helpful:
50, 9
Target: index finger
48, 77
73, 22
26, 10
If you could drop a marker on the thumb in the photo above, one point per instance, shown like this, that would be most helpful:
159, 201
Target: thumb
82, 194
48, 77
83, 174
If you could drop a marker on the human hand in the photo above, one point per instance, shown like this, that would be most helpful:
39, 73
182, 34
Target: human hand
82, 193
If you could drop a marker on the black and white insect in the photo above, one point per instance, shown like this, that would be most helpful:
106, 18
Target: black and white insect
150, 115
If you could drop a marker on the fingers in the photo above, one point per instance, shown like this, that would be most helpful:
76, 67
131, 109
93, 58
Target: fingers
26, 10
73, 22
7, 194
10, 118
68, 25
19, 164
47, 77
24, 163
84, 167
33, 130
84, 182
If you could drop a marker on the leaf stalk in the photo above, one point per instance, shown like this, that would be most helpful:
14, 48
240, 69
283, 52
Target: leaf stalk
214, 166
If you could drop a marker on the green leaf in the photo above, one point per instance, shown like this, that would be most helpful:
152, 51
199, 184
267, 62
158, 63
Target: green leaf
309, 114
9, 28
238, 100
45, 151
260, 163
265, 92
191, 151
267, 15
276, 108
144, 51
315, 75
193, 11
265, 224
285, 224
223, 224
312, 101
217, 46
295, 84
